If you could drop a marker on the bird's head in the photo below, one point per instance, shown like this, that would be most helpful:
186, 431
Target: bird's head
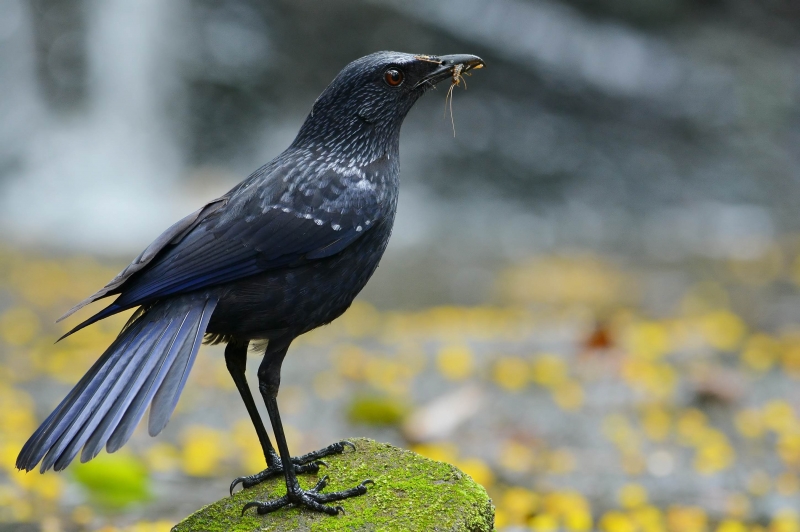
371, 96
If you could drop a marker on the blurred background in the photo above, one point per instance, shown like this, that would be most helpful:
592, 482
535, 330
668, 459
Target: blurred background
590, 302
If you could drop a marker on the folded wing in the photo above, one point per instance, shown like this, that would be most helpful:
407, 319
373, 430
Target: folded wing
231, 239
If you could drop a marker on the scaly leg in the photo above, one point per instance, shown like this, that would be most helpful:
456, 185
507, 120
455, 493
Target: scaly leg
236, 360
268, 383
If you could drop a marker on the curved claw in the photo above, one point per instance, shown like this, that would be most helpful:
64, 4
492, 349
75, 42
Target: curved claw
321, 484
311, 467
368, 481
249, 505
236, 482
321, 462
351, 444
339, 509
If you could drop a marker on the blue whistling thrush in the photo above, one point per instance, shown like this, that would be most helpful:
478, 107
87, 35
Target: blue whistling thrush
282, 253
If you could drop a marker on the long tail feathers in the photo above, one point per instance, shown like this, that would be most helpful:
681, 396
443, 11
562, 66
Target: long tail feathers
147, 364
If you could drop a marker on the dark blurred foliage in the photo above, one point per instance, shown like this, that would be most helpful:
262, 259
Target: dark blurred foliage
775, 19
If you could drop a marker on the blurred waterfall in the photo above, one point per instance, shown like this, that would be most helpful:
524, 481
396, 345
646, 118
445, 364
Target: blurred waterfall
114, 162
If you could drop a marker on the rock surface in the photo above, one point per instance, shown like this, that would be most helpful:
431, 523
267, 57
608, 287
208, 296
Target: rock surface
411, 493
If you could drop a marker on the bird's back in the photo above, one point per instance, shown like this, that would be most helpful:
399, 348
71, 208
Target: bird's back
295, 300
358, 203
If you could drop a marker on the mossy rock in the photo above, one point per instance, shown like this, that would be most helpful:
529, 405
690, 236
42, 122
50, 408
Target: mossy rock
410, 493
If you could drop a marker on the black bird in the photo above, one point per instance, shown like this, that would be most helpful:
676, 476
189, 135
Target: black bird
282, 253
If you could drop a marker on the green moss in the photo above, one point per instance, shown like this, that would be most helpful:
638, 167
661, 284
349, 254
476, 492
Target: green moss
410, 493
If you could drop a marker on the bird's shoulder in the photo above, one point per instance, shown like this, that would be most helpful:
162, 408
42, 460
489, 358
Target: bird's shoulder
314, 188
302, 207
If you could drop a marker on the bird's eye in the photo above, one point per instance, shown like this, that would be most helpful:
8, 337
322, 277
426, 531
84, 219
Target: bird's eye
393, 77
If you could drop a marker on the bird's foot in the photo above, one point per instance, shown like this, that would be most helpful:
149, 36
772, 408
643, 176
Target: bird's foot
311, 499
308, 463
274, 469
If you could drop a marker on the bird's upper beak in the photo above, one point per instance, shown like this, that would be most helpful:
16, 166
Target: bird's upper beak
445, 66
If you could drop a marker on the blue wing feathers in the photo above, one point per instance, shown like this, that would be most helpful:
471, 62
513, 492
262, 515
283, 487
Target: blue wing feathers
110, 310
135, 411
156, 351
93, 411
101, 434
75, 412
171, 237
41, 440
170, 389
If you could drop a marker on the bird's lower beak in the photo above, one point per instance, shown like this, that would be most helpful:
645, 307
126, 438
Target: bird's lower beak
450, 66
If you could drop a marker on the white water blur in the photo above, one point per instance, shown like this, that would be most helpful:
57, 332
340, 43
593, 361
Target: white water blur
102, 178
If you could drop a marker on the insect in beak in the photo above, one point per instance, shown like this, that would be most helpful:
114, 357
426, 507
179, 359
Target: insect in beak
458, 72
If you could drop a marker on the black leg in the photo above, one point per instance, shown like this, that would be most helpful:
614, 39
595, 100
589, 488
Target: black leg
269, 378
236, 360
